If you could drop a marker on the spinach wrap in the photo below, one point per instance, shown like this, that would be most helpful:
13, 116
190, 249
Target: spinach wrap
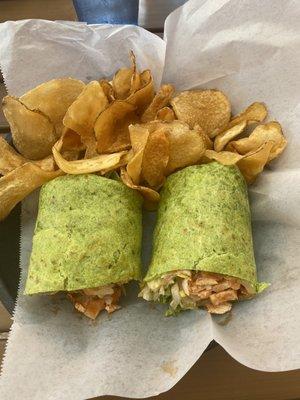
202, 250
87, 241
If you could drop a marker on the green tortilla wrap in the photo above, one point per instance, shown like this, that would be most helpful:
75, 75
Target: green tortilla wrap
88, 234
202, 251
204, 224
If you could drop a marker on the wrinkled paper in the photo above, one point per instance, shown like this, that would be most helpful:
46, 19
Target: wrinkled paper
249, 49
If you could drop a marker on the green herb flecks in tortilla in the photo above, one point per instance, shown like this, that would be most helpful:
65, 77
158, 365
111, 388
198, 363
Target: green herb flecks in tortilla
88, 234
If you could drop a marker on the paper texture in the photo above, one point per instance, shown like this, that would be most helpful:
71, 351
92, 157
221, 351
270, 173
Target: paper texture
249, 49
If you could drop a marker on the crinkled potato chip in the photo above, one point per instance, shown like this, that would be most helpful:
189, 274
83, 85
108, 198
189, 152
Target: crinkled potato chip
126, 80
223, 138
150, 196
223, 157
122, 83
252, 164
107, 123
134, 167
261, 134
165, 114
187, 146
138, 136
155, 159
121, 132
70, 140
135, 79
256, 112
19, 183
32, 132
53, 98
9, 158
210, 109
124, 160
160, 100
95, 164
144, 95
83, 112
107, 89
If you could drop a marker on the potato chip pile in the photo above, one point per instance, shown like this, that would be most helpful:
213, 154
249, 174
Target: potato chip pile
67, 126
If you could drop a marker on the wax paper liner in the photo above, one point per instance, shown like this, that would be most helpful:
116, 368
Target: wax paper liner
250, 50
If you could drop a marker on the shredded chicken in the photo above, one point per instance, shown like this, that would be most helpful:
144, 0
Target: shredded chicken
190, 289
91, 301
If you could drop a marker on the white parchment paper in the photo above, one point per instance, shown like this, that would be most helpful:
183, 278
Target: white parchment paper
250, 49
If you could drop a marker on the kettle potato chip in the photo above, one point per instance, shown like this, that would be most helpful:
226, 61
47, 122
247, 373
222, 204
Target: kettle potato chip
32, 132
9, 159
83, 112
252, 164
160, 100
210, 109
223, 138
165, 114
95, 164
142, 97
270, 131
155, 158
19, 183
53, 98
106, 124
150, 196
187, 146
223, 157
256, 112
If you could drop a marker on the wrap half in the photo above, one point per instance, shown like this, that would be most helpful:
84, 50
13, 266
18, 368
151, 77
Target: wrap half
87, 241
203, 252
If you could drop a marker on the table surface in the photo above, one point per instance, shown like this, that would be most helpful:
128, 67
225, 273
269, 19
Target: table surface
216, 375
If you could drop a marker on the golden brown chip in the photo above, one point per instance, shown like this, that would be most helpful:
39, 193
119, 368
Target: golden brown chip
121, 132
83, 112
99, 163
150, 196
160, 100
107, 89
135, 79
165, 114
210, 109
270, 131
256, 112
122, 83
134, 167
70, 140
155, 159
223, 157
9, 158
17, 184
187, 146
144, 95
33, 133
124, 160
138, 137
223, 138
46, 164
53, 98
253, 163
126, 81
111, 122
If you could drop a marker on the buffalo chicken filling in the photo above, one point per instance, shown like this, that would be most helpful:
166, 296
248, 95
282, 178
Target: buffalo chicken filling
91, 301
184, 290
